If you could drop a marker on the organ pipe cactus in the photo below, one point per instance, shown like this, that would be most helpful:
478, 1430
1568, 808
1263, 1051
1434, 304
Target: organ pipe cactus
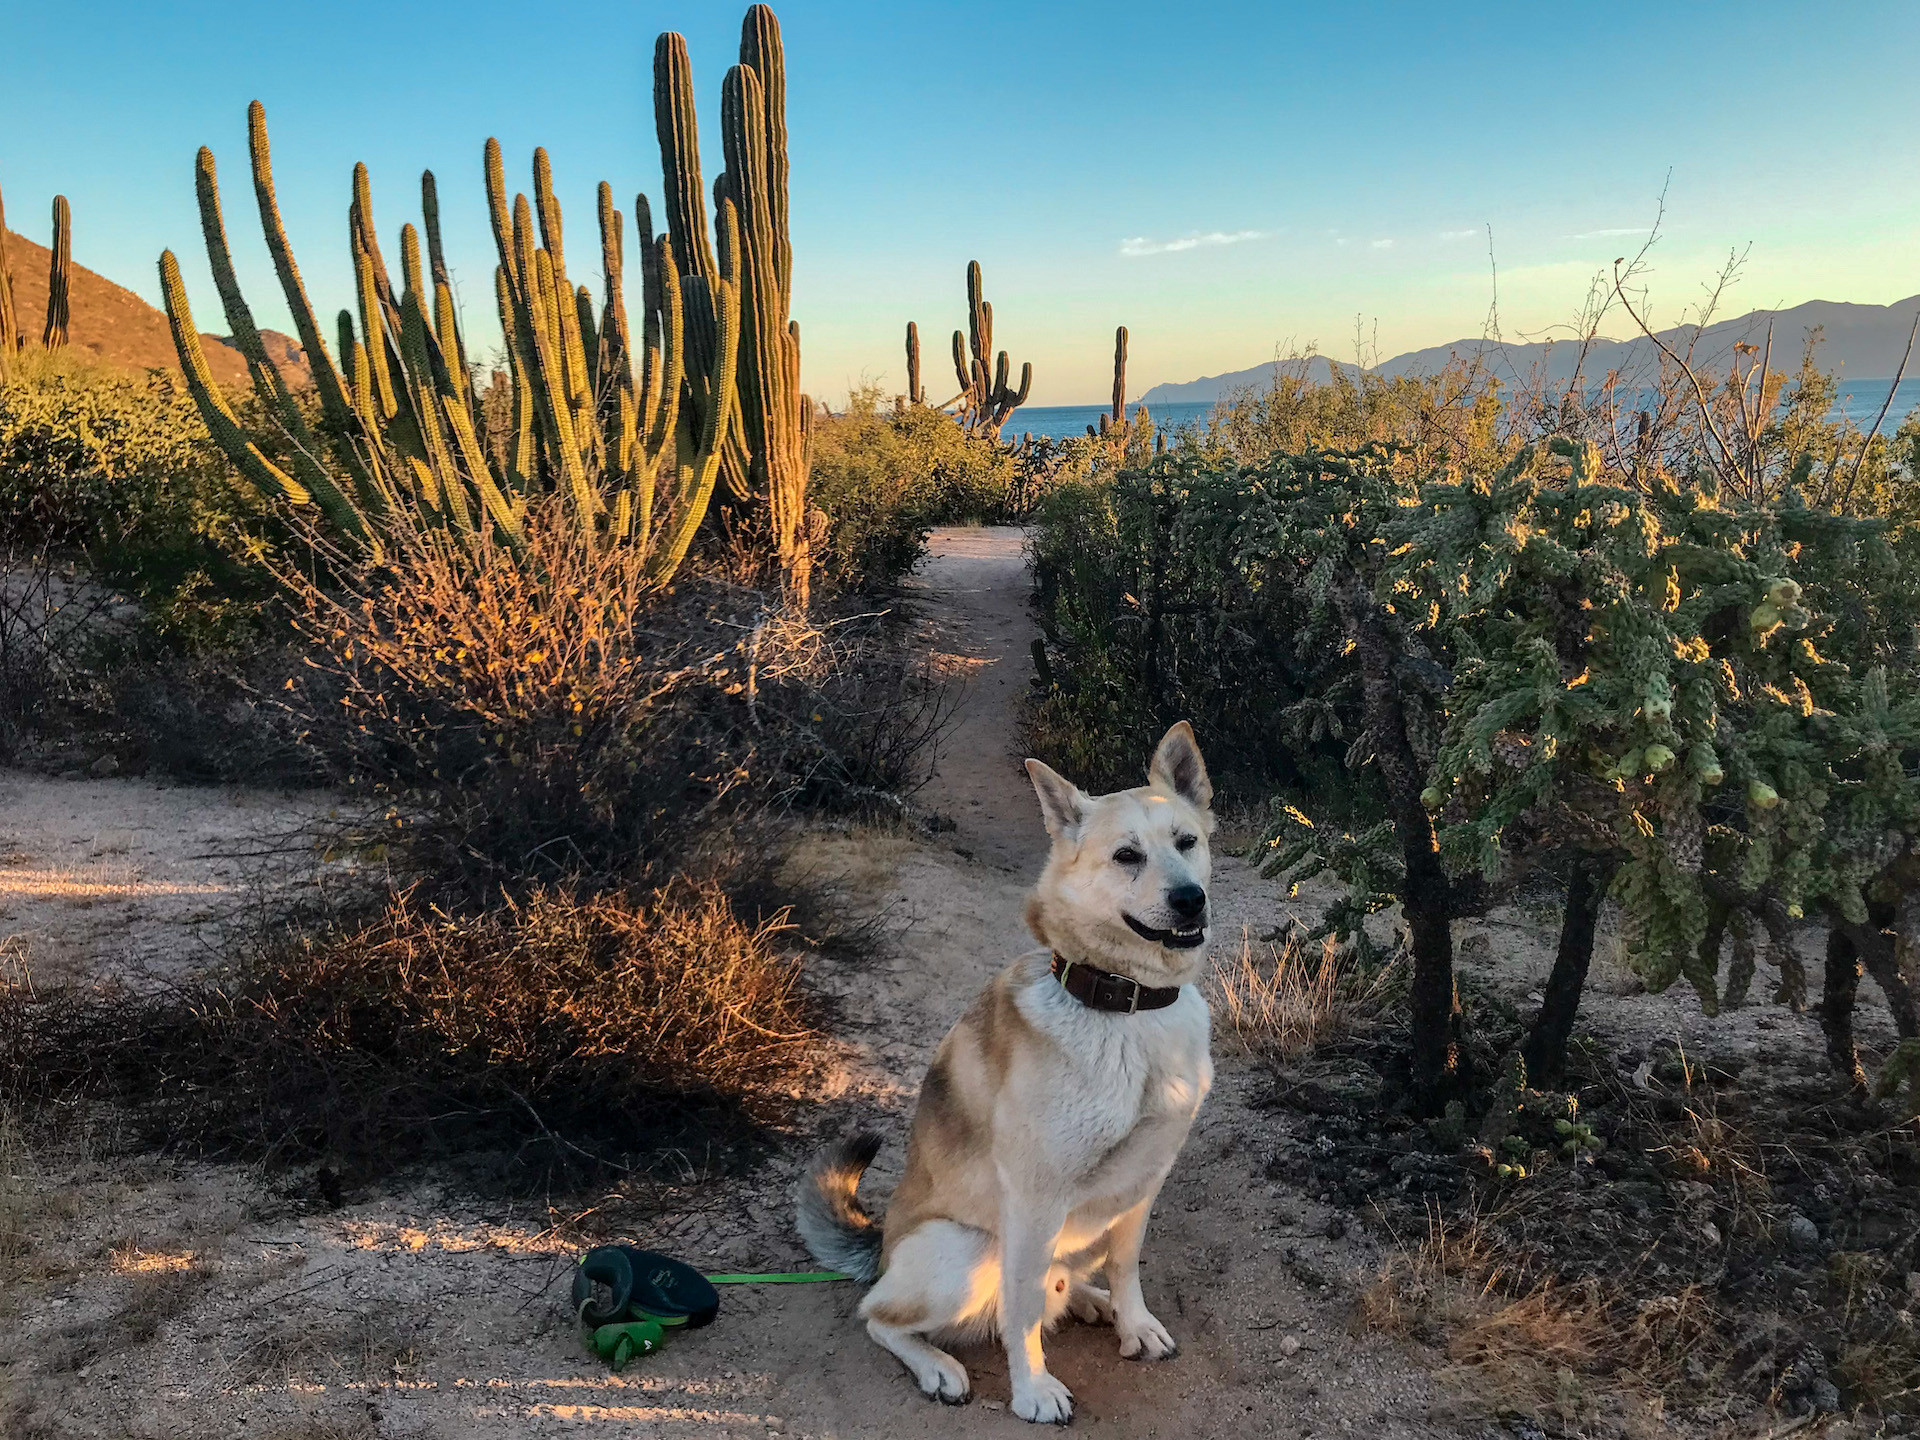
59, 276
397, 439
986, 399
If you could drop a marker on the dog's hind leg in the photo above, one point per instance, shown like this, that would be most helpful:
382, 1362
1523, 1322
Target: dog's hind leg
941, 1277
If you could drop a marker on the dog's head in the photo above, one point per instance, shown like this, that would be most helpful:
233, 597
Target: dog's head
1125, 886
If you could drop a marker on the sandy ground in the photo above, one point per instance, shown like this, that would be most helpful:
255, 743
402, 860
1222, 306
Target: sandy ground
163, 1299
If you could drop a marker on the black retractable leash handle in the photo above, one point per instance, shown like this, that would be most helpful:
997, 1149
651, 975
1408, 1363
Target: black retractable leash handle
649, 1293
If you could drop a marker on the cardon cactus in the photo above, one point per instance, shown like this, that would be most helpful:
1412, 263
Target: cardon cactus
916, 392
765, 447
1119, 412
986, 399
398, 440
9, 325
59, 276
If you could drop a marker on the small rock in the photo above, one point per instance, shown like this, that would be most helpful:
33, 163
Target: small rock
1710, 1232
1823, 1397
1336, 1227
1290, 1345
1802, 1233
108, 764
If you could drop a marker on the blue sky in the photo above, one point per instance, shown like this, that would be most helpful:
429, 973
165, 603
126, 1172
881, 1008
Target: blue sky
1224, 178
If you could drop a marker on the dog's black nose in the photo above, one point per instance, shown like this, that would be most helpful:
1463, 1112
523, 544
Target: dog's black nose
1187, 901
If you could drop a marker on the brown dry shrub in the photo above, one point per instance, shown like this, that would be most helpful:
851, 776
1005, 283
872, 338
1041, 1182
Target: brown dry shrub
556, 713
561, 1030
1283, 1004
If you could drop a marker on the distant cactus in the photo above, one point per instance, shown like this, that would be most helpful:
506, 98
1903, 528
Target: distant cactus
1119, 413
9, 325
916, 392
986, 399
59, 276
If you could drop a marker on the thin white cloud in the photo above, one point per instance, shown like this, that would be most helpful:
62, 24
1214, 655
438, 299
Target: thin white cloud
1458, 234
1610, 231
1382, 244
1138, 245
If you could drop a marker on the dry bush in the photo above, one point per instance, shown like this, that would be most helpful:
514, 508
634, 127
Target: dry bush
556, 714
559, 1031
1519, 1342
1284, 1005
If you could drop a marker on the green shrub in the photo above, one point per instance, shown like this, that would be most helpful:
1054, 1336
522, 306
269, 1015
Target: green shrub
117, 470
885, 479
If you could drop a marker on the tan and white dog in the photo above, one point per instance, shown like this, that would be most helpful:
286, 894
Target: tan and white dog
1055, 1107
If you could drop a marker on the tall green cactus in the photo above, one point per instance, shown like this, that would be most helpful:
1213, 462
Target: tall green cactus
59, 276
9, 326
766, 456
986, 399
1119, 412
399, 438
916, 392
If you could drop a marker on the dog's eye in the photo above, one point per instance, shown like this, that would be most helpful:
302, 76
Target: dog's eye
1186, 843
1127, 855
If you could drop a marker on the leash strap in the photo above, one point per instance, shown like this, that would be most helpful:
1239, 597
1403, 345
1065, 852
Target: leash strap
788, 1277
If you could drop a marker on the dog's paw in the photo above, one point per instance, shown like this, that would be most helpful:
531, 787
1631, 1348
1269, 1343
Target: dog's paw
944, 1379
1090, 1304
1145, 1339
1043, 1400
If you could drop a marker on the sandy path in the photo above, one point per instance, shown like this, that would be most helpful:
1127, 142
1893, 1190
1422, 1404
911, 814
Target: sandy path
424, 1313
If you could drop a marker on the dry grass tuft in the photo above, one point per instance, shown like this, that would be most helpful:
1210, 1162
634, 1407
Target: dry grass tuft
1282, 1004
562, 1030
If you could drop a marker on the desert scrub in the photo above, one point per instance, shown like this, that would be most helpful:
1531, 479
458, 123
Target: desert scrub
623, 1024
559, 714
885, 478
117, 471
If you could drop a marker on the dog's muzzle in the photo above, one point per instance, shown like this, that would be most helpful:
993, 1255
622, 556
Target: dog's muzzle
1192, 933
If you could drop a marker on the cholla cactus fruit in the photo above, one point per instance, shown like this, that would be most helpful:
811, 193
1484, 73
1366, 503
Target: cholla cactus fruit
1762, 796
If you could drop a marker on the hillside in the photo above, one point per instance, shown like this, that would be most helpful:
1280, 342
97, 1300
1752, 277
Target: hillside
116, 326
1857, 341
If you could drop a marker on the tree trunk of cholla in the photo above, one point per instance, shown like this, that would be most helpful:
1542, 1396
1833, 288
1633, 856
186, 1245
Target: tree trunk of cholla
1426, 899
1836, 1007
1545, 1050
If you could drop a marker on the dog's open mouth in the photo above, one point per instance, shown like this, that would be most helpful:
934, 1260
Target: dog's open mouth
1172, 939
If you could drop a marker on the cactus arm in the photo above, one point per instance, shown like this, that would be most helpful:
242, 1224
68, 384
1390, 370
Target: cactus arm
723, 381
679, 136
960, 364
520, 462
334, 402
416, 341
268, 383
1120, 375
762, 51
9, 322
549, 381
225, 428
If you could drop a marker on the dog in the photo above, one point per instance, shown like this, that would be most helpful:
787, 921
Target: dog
1053, 1110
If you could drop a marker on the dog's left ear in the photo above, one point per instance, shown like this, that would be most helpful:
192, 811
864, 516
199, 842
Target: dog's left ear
1177, 766
1062, 805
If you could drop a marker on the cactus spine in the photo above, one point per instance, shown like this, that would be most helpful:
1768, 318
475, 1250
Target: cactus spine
986, 399
59, 276
399, 411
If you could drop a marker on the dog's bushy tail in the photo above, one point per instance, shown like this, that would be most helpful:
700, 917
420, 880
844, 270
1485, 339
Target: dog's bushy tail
835, 1229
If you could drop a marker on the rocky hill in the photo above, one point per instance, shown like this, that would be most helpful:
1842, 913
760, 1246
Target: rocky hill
116, 326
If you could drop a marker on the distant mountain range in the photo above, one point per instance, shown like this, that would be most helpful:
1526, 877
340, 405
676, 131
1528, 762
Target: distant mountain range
114, 325
1857, 341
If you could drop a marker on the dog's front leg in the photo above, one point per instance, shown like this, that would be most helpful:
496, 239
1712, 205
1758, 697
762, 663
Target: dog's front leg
1029, 1226
1141, 1336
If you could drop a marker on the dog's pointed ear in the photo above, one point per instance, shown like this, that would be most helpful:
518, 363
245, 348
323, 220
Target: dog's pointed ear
1062, 805
1177, 766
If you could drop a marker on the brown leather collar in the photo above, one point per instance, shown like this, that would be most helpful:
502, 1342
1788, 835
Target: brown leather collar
1103, 990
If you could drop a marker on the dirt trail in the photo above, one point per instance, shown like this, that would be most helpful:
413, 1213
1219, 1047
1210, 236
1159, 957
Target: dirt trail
199, 1300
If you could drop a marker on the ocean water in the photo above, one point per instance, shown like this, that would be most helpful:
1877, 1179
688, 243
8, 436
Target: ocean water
1859, 400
